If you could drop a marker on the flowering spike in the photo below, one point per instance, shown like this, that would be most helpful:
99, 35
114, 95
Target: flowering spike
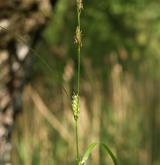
79, 5
75, 106
78, 39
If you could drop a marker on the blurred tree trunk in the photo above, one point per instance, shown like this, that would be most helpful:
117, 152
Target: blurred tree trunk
26, 19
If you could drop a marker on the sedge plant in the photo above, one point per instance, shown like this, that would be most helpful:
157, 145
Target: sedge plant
76, 98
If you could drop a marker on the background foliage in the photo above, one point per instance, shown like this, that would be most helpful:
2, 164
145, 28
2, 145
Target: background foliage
120, 84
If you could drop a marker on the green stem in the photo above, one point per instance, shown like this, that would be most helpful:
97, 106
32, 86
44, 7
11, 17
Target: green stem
77, 145
78, 35
78, 72
79, 56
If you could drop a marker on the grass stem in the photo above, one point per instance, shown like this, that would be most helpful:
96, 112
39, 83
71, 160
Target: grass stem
76, 103
77, 145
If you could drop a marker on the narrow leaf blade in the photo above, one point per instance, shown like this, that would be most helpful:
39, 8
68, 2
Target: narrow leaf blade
90, 149
110, 153
88, 152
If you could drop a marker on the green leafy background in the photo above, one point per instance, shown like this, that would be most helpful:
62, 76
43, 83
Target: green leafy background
120, 85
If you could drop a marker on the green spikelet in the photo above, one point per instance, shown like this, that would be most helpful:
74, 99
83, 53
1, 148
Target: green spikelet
75, 106
79, 5
78, 38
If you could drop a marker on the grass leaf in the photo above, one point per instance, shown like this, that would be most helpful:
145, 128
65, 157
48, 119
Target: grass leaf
88, 152
110, 153
90, 149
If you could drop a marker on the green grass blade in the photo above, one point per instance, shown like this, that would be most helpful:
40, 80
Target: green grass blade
114, 159
88, 152
90, 149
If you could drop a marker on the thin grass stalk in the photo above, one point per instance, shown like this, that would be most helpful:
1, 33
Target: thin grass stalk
79, 44
79, 48
77, 144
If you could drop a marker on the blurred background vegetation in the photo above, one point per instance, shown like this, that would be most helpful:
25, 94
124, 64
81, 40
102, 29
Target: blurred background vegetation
120, 86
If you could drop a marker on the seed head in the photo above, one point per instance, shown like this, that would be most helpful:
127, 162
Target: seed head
78, 39
79, 5
75, 106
